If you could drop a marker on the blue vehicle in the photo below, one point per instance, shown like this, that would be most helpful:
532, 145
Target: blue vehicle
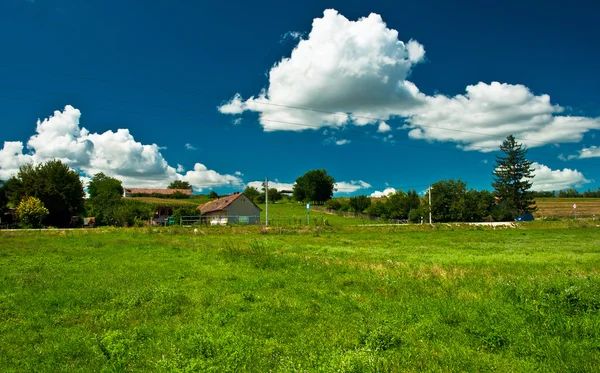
525, 217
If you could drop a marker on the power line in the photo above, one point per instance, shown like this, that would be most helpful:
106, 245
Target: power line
376, 119
403, 142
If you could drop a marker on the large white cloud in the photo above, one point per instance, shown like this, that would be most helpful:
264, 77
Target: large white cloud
343, 66
116, 154
548, 179
356, 72
487, 113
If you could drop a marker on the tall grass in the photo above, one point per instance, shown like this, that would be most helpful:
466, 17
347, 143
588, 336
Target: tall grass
350, 300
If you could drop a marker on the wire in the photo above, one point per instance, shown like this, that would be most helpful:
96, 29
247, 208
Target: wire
403, 142
265, 103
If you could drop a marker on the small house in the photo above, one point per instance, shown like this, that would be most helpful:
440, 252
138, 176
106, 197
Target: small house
233, 209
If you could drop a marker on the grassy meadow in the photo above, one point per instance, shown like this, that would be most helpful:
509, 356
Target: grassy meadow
344, 299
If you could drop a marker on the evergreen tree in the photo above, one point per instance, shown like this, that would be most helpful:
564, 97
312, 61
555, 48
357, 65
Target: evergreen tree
512, 178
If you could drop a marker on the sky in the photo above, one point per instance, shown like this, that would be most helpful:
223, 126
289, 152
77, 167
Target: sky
383, 95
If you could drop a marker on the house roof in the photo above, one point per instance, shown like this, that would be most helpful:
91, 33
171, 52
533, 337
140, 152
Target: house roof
158, 191
222, 203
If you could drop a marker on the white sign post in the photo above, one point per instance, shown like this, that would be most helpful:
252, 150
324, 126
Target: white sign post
575, 210
308, 213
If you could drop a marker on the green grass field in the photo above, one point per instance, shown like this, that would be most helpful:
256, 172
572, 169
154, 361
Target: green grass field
229, 299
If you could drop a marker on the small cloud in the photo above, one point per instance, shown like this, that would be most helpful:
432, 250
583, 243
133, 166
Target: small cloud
485, 161
236, 121
562, 157
342, 142
180, 168
291, 35
351, 187
189, 146
386, 192
237, 173
384, 127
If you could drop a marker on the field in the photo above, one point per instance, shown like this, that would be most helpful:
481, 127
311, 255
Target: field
563, 207
348, 299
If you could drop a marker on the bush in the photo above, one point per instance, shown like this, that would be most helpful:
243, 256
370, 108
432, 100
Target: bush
31, 212
333, 204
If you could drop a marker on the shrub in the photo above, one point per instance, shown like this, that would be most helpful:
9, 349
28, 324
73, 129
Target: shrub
31, 212
333, 204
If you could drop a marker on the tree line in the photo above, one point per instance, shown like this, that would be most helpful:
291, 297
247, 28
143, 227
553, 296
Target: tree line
51, 193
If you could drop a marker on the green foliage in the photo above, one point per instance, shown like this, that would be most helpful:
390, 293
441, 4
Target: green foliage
251, 192
31, 212
3, 196
131, 213
105, 198
185, 211
179, 184
213, 195
274, 196
58, 187
358, 204
176, 195
512, 178
448, 199
314, 186
333, 204
378, 209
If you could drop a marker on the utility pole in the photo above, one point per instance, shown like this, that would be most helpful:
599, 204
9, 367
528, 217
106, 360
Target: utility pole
267, 201
430, 222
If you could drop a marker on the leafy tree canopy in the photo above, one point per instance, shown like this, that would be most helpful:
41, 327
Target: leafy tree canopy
360, 203
251, 192
512, 178
179, 184
213, 194
105, 198
314, 186
31, 212
57, 186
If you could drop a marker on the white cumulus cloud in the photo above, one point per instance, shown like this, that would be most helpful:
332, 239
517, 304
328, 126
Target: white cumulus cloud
487, 113
350, 187
591, 152
386, 192
548, 179
355, 72
115, 153
342, 142
343, 66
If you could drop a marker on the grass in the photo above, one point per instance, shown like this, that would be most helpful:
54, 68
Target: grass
349, 299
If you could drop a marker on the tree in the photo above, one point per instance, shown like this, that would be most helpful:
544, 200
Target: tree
360, 203
3, 197
251, 192
105, 198
213, 195
448, 201
57, 186
274, 196
512, 178
179, 184
314, 186
31, 212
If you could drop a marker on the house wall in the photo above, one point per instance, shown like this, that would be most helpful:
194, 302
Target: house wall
242, 206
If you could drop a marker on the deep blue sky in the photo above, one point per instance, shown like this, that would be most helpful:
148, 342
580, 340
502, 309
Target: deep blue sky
161, 69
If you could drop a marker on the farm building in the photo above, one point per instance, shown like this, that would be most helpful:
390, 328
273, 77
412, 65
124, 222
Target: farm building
233, 209
150, 192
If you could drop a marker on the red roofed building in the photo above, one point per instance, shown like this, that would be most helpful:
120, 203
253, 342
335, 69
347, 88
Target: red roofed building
233, 209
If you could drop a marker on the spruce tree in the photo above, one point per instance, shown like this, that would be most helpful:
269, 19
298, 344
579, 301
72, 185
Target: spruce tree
512, 178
